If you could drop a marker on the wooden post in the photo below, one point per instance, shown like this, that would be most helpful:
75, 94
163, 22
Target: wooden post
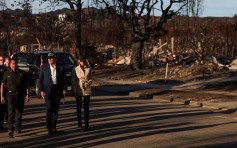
199, 46
153, 14
160, 43
166, 71
172, 45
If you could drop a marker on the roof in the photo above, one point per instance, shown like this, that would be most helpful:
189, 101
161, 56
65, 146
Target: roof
45, 52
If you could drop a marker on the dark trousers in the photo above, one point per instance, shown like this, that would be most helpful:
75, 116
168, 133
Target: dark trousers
52, 107
3, 112
15, 104
86, 109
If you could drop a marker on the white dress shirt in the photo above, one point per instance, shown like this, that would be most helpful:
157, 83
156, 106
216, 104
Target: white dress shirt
53, 74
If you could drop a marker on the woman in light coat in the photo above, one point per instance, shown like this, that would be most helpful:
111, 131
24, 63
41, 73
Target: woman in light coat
81, 84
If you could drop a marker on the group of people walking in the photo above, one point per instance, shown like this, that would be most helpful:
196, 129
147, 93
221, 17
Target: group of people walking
52, 87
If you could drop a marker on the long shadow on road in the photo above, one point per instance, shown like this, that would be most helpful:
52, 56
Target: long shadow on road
113, 119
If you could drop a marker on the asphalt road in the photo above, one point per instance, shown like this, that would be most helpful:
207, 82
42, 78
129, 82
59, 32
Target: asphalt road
120, 121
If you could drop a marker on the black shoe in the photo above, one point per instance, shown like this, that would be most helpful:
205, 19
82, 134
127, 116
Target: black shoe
50, 132
10, 133
54, 130
79, 126
18, 131
87, 128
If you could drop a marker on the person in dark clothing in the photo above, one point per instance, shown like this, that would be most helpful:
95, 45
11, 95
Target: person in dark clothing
7, 63
1, 60
7, 66
3, 107
15, 82
82, 80
52, 87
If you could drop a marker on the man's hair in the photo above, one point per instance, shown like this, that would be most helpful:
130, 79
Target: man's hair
13, 60
7, 58
82, 58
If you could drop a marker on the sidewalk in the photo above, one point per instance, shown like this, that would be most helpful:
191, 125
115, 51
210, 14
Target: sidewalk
133, 89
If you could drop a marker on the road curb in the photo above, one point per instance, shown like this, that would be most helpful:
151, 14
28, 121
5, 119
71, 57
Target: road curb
141, 95
222, 106
171, 100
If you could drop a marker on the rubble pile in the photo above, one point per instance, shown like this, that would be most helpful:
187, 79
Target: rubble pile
188, 71
181, 69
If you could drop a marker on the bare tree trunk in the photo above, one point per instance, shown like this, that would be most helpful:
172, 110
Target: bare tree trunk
136, 58
77, 18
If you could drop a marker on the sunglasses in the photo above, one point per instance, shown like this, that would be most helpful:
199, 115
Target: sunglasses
1, 59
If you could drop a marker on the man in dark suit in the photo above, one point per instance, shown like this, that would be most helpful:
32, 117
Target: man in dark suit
52, 87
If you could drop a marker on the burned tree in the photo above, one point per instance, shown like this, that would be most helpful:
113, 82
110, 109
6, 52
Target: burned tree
6, 21
192, 33
48, 30
137, 14
76, 8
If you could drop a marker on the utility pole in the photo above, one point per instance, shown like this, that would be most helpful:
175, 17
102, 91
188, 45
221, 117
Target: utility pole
153, 13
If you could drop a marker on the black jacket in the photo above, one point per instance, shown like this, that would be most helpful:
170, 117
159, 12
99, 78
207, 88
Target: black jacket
45, 80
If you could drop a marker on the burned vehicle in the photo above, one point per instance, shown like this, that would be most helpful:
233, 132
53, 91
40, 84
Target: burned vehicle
31, 62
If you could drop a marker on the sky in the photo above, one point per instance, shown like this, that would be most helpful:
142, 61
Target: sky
213, 8
220, 8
